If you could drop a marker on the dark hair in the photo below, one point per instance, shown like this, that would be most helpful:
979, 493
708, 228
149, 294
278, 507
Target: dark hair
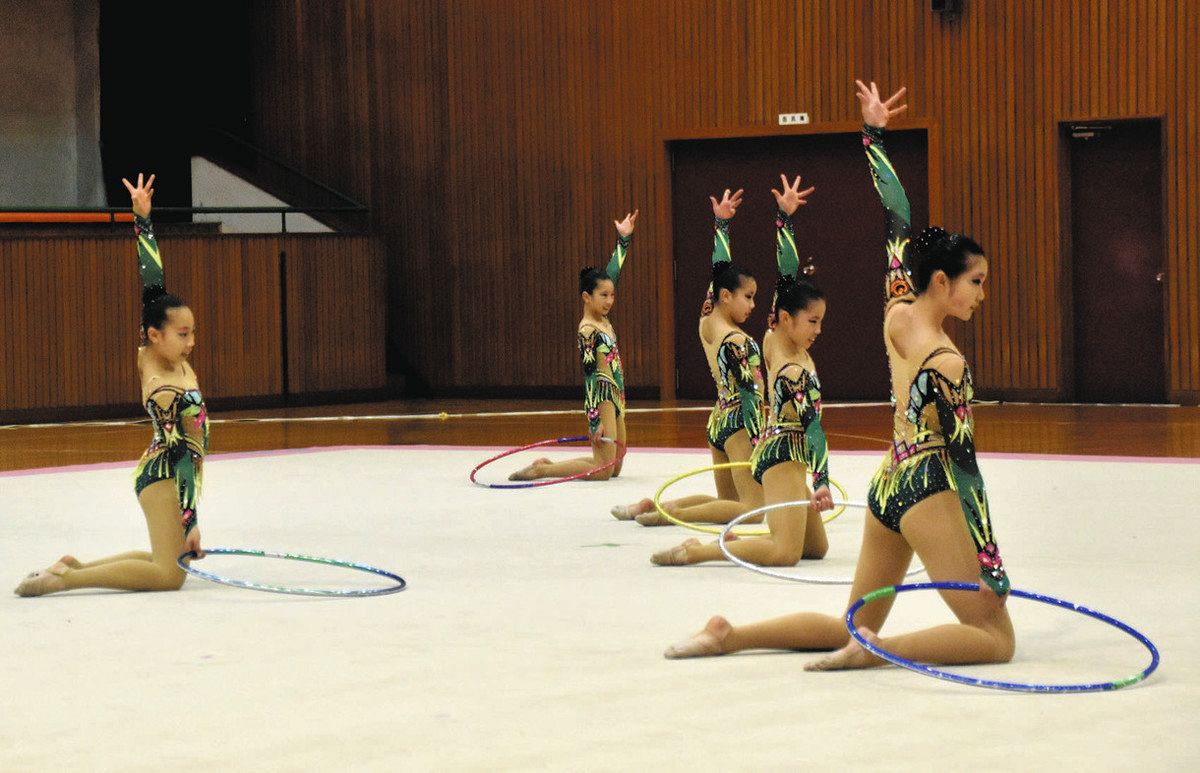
728, 276
936, 250
156, 302
793, 295
590, 277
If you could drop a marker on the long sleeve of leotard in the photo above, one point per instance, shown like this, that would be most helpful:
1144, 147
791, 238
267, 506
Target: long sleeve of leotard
150, 264
786, 257
899, 214
816, 447
589, 341
187, 484
953, 402
617, 260
720, 254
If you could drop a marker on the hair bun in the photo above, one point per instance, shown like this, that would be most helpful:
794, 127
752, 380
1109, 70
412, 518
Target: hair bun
929, 238
784, 282
152, 293
719, 268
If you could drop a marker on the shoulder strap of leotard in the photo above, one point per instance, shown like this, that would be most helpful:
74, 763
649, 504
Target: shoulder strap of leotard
733, 333
787, 365
177, 391
936, 352
590, 329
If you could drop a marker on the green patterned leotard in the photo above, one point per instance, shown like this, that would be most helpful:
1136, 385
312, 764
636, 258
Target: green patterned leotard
933, 435
603, 377
794, 432
738, 374
180, 441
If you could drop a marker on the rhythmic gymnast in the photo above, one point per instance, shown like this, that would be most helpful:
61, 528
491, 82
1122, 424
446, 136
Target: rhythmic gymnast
928, 495
603, 378
735, 360
793, 443
168, 477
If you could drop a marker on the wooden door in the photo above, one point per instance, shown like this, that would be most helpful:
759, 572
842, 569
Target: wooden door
1116, 262
842, 229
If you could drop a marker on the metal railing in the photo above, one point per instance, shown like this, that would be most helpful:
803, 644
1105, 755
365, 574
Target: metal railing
112, 212
274, 175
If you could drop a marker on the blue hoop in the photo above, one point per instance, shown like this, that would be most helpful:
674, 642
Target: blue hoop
621, 449
993, 684
399, 586
721, 540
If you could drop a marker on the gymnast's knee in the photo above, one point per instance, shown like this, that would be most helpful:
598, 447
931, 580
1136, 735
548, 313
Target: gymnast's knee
784, 555
1005, 645
167, 578
814, 551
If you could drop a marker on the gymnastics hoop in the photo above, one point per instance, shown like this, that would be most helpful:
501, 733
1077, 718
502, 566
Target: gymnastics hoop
621, 449
780, 575
185, 566
993, 684
717, 529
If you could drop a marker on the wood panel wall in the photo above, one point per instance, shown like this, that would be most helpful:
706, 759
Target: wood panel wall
70, 313
496, 139
335, 313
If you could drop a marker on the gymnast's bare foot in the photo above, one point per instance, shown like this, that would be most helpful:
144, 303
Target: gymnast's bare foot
851, 656
676, 556
629, 512
652, 518
41, 583
63, 564
530, 471
707, 643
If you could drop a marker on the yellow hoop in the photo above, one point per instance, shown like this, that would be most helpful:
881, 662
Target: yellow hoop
717, 530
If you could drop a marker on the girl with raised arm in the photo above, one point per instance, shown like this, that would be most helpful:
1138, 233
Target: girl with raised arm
168, 477
603, 378
735, 360
792, 445
927, 495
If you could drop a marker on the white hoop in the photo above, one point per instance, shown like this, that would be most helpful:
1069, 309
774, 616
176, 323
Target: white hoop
780, 575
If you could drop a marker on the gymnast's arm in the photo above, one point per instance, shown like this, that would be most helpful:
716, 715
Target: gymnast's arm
953, 399
876, 114
788, 201
150, 264
723, 212
589, 355
624, 237
787, 259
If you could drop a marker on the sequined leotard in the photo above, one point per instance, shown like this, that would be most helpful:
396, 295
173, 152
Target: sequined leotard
933, 429
603, 377
180, 441
794, 432
738, 371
